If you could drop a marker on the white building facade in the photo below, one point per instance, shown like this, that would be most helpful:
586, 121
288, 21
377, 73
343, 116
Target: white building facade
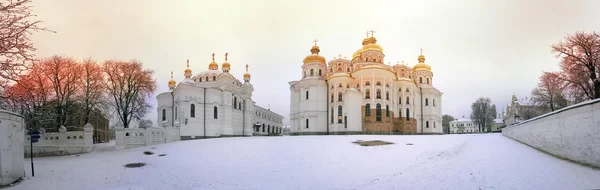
209, 104
364, 95
463, 125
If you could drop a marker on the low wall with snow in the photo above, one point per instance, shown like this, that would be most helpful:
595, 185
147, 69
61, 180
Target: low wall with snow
137, 137
572, 132
61, 143
11, 147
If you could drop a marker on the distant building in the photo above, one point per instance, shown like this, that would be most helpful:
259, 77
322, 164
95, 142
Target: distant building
518, 111
497, 125
463, 125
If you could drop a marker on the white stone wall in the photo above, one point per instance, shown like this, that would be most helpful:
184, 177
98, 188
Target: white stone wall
572, 132
138, 137
61, 143
312, 109
11, 147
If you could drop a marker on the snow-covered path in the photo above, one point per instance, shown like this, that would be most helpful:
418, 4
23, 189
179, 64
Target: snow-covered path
486, 161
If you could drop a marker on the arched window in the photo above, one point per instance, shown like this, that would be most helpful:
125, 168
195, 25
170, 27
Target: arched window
420, 79
427, 80
339, 114
387, 95
407, 114
307, 123
234, 102
426, 101
400, 100
407, 90
400, 89
307, 94
357, 85
339, 96
176, 112
319, 72
331, 70
206, 78
214, 78
339, 69
331, 97
433, 102
434, 124
164, 114
400, 113
367, 83
240, 105
263, 128
368, 94
200, 79
378, 112
387, 110
368, 110
407, 100
311, 72
378, 95
215, 115
340, 85
332, 114
387, 85
426, 124
348, 69
347, 85
192, 110
378, 83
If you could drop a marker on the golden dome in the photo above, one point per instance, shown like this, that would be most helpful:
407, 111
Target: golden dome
172, 82
421, 65
226, 64
314, 57
188, 70
368, 45
247, 75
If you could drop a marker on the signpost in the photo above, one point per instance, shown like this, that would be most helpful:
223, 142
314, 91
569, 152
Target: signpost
34, 137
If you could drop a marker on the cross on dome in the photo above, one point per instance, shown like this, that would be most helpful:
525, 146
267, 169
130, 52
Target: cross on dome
421, 51
315, 41
339, 56
226, 56
213, 56
246, 67
372, 32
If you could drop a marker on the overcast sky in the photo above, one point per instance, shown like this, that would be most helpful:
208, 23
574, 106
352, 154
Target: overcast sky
475, 48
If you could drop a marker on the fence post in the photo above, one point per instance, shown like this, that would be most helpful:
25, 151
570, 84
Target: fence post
119, 137
88, 134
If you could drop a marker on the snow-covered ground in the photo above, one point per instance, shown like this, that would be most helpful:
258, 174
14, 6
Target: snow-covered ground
485, 161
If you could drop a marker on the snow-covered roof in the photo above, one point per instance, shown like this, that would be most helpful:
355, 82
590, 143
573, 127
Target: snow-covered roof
498, 120
462, 120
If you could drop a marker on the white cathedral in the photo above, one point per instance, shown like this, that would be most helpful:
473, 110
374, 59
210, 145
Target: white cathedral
214, 103
363, 95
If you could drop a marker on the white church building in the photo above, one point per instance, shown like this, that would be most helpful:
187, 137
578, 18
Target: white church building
214, 103
364, 95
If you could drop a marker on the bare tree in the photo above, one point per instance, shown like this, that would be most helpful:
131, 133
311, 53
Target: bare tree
16, 27
580, 64
483, 113
93, 88
446, 119
63, 74
129, 87
549, 92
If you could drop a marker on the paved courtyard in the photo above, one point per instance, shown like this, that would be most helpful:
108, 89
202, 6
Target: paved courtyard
477, 161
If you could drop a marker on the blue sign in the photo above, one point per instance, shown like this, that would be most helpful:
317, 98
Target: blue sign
35, 136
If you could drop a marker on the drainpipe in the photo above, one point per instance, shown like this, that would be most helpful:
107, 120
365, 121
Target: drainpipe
244, 119
421, 89
204, 117
327, 107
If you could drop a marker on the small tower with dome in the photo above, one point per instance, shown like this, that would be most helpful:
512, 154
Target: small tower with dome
226, 66
188, 71
314, 64
247, 75
172, 83
422, 72
213, 65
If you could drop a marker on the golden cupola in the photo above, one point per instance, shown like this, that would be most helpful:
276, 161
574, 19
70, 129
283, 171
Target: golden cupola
421, 65
247, 75
172, 82
213, 65
314, 56
226, 66
369, 44
188, 71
